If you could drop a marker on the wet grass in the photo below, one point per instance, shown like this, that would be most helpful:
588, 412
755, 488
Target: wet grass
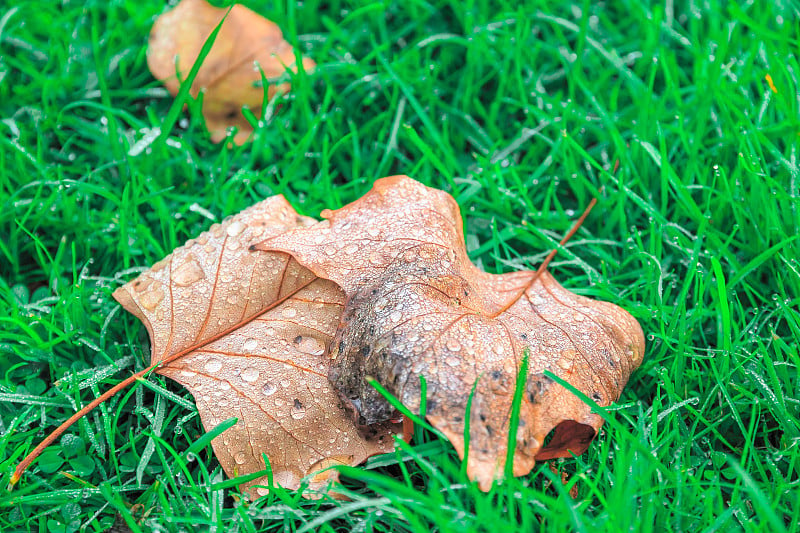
683, 122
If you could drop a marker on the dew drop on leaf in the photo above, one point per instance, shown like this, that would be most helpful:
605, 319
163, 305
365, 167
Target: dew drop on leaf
213, 365
250, 345
453, 345
235, 228
151, 299
297, 411
188, 273
309, 345
250, 374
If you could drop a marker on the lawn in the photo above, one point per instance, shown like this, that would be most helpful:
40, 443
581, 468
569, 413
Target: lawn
682, 119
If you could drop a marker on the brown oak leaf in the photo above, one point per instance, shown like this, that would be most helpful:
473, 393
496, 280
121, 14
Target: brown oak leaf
231, 74
248, 334
416, 306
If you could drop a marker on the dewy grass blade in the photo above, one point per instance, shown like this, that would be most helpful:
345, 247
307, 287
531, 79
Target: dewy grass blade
513, 425
207, 437
415, 417
467, 420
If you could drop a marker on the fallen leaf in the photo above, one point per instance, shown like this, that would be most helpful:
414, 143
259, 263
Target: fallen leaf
277, 333
417, 307
231, 74
248, 334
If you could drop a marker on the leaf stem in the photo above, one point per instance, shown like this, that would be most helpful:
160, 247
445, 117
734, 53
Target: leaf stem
31, 457
578, 223
547, 259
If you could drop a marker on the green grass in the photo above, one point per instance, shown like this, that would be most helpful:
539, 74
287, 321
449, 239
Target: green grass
522, 111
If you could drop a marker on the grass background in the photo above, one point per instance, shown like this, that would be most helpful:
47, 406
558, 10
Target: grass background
522, 111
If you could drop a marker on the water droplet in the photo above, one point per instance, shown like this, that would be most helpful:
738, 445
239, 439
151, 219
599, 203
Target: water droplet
380, 304
285, 383
262, 491
213, 365
250, 374
372, 231
151, 299
578, 317
240, 458
250, 345
453, 345
297, 411
235, 228
289, 312
376, 258
269, 389
452, 360
189, 272
566, 364
160, 265
351, 249
309, 345
279, 402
